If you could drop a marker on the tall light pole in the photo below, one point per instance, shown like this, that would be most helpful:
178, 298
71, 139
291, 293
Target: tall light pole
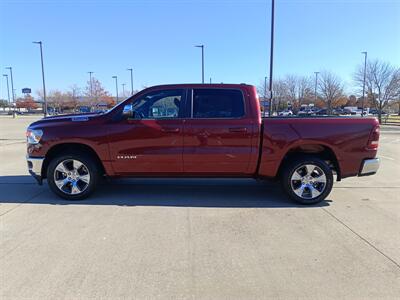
90, 82
123, 89
265, 94
265, 87
202, 61
316, 84
44, 85
116, 86
271, 57
131, 70
365, 74
12, 84
8, 89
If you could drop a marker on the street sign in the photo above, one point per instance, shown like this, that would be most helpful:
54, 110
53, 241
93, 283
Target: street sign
26, 91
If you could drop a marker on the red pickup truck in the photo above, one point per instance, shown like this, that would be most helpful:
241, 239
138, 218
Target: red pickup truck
200, 130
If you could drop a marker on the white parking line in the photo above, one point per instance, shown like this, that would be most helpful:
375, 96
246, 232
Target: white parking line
386, 157
390, 131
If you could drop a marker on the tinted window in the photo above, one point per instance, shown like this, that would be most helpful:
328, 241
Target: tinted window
217, 103
160, 104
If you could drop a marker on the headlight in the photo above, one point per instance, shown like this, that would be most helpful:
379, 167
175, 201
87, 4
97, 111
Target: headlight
33, 136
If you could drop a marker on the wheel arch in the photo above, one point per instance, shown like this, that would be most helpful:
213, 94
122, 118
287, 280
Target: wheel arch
322, 151
66, 148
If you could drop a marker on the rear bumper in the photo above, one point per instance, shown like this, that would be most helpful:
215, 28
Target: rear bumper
35, 167
369, 167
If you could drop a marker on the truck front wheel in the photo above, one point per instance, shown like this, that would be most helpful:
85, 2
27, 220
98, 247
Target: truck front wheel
307, 180
72, 176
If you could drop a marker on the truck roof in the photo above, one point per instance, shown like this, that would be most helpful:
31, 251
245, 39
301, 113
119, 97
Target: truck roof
202, 85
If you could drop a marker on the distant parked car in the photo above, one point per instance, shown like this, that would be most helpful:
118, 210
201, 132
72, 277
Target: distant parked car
322, 112
84, 109
374, 111
10, 112
338, 111
346, 112
306, 112
285, 113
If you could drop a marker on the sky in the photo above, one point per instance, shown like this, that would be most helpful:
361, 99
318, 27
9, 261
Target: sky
156, 38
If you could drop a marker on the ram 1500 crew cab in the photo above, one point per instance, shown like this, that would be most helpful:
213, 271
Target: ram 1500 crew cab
197, 130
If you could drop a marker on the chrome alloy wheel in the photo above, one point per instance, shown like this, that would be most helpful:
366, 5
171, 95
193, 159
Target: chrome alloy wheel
308, 181
71, 177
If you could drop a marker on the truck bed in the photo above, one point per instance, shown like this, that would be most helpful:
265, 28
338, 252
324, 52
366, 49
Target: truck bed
344, 137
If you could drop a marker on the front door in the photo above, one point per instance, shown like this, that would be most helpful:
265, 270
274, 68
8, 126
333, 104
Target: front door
152, 140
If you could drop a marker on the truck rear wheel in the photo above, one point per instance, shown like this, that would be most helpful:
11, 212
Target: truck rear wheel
307, 180
72, 176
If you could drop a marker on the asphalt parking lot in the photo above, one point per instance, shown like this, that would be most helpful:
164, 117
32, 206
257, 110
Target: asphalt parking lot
197, 239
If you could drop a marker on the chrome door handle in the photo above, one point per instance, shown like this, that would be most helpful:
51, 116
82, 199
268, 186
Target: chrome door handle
238, 129
170, 129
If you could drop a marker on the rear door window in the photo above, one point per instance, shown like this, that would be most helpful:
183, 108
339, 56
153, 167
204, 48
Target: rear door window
217, 103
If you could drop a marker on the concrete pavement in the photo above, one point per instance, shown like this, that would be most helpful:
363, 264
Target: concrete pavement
197, 239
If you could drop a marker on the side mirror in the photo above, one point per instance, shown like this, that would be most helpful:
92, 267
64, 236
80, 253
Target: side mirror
127, 112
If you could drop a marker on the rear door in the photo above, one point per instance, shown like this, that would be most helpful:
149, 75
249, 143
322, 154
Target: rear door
217, 137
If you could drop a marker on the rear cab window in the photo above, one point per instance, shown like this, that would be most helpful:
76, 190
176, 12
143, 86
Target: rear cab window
217, 104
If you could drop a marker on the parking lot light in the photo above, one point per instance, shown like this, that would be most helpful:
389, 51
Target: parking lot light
202, 61
12, 84
44, 85
90, 82
271, 56
316, 84
131, 70
365, 73
8, 89
116, 86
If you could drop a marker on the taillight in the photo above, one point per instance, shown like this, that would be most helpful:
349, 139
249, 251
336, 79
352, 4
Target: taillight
374, 139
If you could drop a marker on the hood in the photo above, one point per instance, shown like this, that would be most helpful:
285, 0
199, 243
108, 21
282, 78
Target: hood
70, 118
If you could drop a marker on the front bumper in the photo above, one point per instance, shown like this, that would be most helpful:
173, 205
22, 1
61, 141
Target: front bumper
35, 167
369, 167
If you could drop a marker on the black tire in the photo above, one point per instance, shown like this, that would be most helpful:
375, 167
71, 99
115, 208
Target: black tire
89, 167
307, 186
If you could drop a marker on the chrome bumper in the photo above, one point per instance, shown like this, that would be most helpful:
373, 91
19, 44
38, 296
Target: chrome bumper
35, 167
369, 167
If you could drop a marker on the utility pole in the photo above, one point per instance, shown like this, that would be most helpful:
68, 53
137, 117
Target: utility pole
44, 86
202, 62
116, 86
131, 70
271, 57
90, 82
8, 89
365, 74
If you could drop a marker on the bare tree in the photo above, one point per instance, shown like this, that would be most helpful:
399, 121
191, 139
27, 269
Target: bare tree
386, 84
95, 92
262, 89
280, 94
330, 87
299, 90
382, 82
76, 91
305, 90
291, 87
